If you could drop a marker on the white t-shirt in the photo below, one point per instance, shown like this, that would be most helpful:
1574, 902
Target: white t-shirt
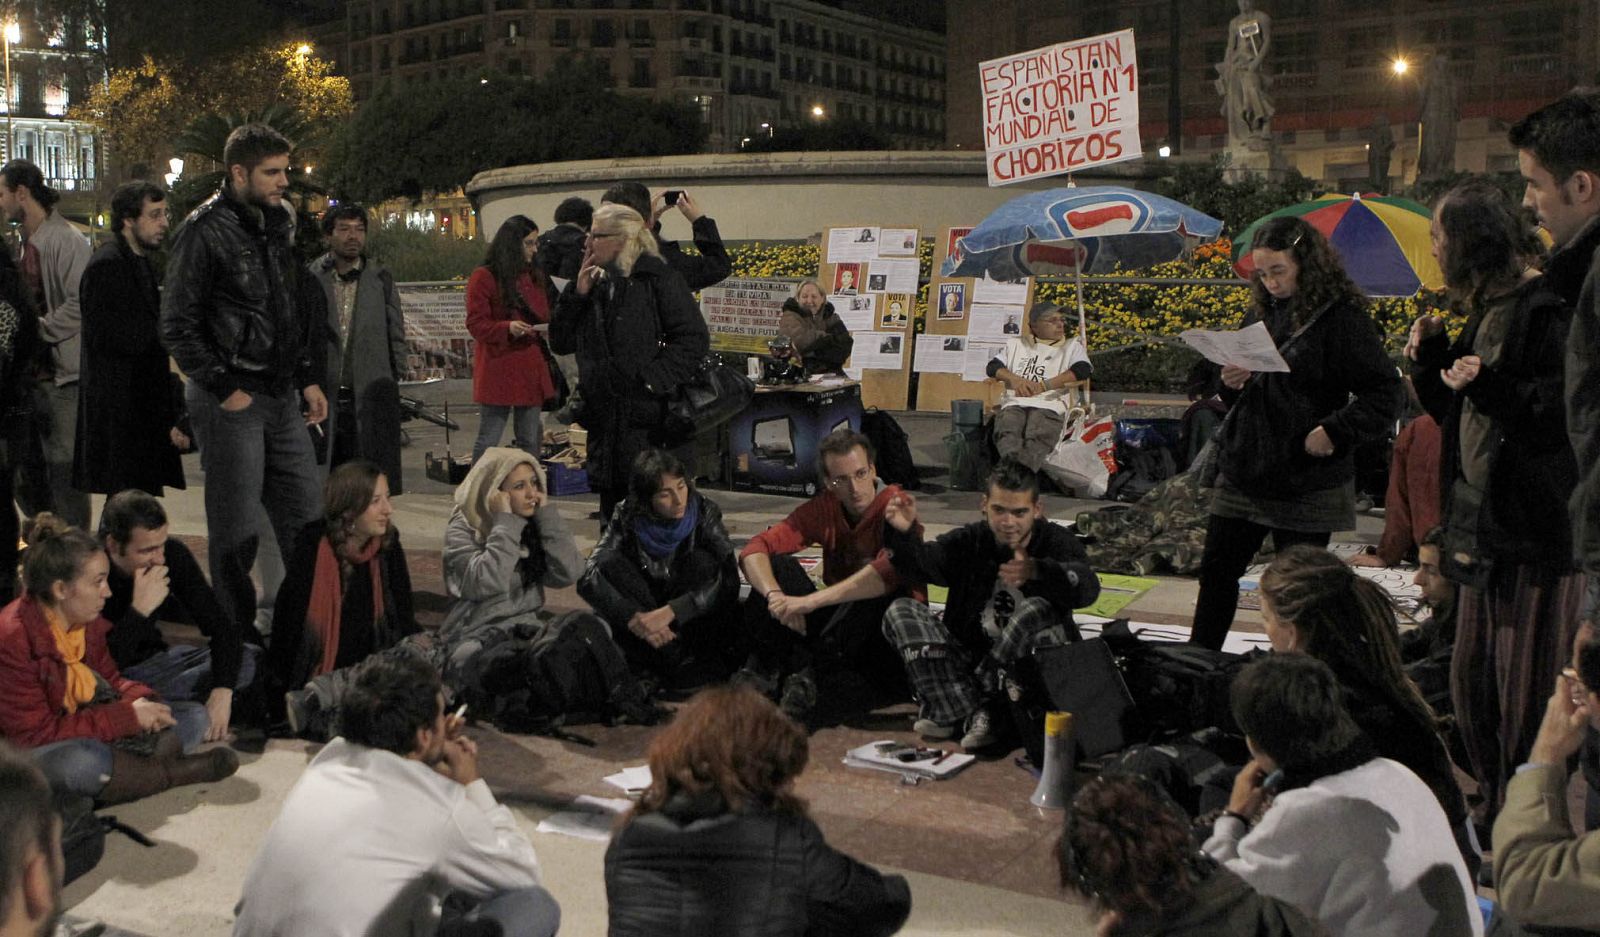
1039, 361
369, 842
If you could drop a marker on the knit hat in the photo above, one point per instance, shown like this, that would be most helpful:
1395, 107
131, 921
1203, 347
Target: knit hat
488, 473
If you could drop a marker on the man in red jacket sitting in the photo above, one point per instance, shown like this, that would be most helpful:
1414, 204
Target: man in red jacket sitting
797, 628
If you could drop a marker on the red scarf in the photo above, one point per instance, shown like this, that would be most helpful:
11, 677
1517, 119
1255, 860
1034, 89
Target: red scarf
327, 598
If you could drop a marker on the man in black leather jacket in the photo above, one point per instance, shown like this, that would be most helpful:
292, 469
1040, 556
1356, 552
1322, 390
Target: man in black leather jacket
229, 318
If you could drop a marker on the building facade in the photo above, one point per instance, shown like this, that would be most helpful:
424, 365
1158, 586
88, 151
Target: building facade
748, 66
48, 75
1331, 64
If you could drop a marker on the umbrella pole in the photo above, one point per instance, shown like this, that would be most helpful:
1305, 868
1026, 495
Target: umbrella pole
1083, 330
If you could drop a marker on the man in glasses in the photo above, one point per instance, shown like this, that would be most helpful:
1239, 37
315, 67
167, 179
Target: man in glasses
1039, 371
798, 630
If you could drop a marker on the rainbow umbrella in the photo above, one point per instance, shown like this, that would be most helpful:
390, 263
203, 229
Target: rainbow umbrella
1382, 240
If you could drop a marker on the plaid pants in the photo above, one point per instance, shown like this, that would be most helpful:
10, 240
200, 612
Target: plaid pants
951, 681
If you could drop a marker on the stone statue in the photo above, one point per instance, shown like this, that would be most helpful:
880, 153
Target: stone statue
1441, 111
1239, 79
1379, 145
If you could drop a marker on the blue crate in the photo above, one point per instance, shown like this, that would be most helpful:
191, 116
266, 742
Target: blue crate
565, 481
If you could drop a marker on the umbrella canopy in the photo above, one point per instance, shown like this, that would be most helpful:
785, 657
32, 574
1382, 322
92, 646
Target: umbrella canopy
1382, 240
1093, 229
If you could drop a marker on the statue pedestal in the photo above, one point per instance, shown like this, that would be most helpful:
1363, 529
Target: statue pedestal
1260, 158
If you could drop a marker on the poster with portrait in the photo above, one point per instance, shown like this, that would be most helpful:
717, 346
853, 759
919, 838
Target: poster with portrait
951, 247
847, 278
896, 312
952, 301
995, 322
897, 242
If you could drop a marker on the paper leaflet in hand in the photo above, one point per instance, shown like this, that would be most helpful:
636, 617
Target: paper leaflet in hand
1251, 348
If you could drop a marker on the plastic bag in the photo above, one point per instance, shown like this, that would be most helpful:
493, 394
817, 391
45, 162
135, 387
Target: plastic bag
1086, 457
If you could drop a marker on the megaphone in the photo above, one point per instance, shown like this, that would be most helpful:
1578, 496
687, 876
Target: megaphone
1060, 751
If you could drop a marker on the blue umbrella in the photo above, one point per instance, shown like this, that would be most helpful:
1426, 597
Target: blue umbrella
1073, 231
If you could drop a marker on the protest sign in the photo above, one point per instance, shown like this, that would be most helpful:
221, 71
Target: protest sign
1061, 108
743, 314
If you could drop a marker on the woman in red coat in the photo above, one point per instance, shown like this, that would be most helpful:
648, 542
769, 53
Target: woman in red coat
91, 731
506, 297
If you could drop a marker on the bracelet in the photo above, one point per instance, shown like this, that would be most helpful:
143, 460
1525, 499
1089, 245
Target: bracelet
1237, 816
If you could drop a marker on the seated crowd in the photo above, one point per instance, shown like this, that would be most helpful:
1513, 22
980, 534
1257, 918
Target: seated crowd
1336, 777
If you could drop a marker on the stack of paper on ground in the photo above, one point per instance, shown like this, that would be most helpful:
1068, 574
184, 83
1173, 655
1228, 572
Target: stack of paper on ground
591, 818
937, 765
1398, 581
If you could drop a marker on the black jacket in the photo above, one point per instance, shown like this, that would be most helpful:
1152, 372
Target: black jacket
637, 338
288, 662
561, 250
710, 268
125, 407
228, 312
1224, 905
1339, 378
135, 638
1574, 273
1523, 515
688, 871
968, 559
691, 600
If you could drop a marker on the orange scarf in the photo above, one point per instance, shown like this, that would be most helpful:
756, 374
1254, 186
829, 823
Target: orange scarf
327, 598
72, 643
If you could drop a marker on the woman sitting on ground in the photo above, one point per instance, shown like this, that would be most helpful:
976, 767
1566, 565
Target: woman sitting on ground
91, 731
819, 337
1131, 850
720, 844
1312, 602
346, 592
663, 577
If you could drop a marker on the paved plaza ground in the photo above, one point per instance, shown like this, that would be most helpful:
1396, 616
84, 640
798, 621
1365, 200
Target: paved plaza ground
977, 854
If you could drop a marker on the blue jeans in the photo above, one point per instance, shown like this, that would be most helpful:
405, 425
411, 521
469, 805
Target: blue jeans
521, 912
184, 672
82, 766
526, 431
258, 455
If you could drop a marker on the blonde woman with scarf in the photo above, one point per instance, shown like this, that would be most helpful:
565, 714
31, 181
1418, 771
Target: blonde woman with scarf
90, 730
346, 593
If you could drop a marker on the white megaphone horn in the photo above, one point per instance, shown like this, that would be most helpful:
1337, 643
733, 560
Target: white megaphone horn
1060, 750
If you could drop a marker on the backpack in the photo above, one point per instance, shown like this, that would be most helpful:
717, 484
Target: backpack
573, 674
893, 446
83, 835
1177, 688
1139, 471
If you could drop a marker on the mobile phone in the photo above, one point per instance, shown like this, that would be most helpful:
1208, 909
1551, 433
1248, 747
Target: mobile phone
1273, 781
671, 196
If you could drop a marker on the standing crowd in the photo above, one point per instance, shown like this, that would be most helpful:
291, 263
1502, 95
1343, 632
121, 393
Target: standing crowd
1343, 815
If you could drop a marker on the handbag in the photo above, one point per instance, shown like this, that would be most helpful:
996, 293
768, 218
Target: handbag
558, 378
714, 395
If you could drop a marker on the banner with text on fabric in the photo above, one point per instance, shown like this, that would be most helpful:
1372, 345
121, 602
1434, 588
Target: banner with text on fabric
1061, 108
742, 314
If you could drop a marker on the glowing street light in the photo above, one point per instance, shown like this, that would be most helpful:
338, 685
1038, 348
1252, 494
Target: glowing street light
818, 112
1164, 151
303, 49
1399, 66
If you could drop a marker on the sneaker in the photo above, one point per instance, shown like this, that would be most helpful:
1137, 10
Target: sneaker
980, 731
936, 731
756, 678
799, 700
303, 708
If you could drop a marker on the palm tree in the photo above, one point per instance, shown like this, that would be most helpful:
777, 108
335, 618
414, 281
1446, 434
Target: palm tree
203, 141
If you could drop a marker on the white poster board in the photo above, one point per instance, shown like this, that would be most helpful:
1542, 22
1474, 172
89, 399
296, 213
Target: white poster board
1061, 108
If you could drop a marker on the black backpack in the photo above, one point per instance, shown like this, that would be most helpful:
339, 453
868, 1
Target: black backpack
573, 674
1177, 688
893, 446
1139, 470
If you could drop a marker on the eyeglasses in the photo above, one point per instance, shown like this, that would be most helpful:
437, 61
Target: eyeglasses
843, 481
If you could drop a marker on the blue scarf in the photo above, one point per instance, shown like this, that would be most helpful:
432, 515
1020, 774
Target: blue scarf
660, 538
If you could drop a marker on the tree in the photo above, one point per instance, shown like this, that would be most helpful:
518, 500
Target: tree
1203, 186
434, 137
142, 111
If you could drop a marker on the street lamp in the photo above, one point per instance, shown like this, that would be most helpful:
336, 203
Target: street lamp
303, 49
818, 112
13, 33
175, 164
1399, 66
1164, 151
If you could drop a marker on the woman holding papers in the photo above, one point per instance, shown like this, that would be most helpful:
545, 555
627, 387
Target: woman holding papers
1285, 450
719, 843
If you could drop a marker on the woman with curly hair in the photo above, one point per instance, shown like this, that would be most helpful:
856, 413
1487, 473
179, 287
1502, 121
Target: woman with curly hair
719, 844
1285, 451
1314, 603
638, 335
1506, 470
1130, 849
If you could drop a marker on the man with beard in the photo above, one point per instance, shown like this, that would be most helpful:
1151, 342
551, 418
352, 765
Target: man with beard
1014, 579
127, 408
230, 320
366, 346
31, 867
52, 261
390, 820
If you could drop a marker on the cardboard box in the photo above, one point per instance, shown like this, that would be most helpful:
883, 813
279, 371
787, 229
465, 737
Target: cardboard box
772, 445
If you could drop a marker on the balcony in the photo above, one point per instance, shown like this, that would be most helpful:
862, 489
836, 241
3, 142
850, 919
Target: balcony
698, 84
